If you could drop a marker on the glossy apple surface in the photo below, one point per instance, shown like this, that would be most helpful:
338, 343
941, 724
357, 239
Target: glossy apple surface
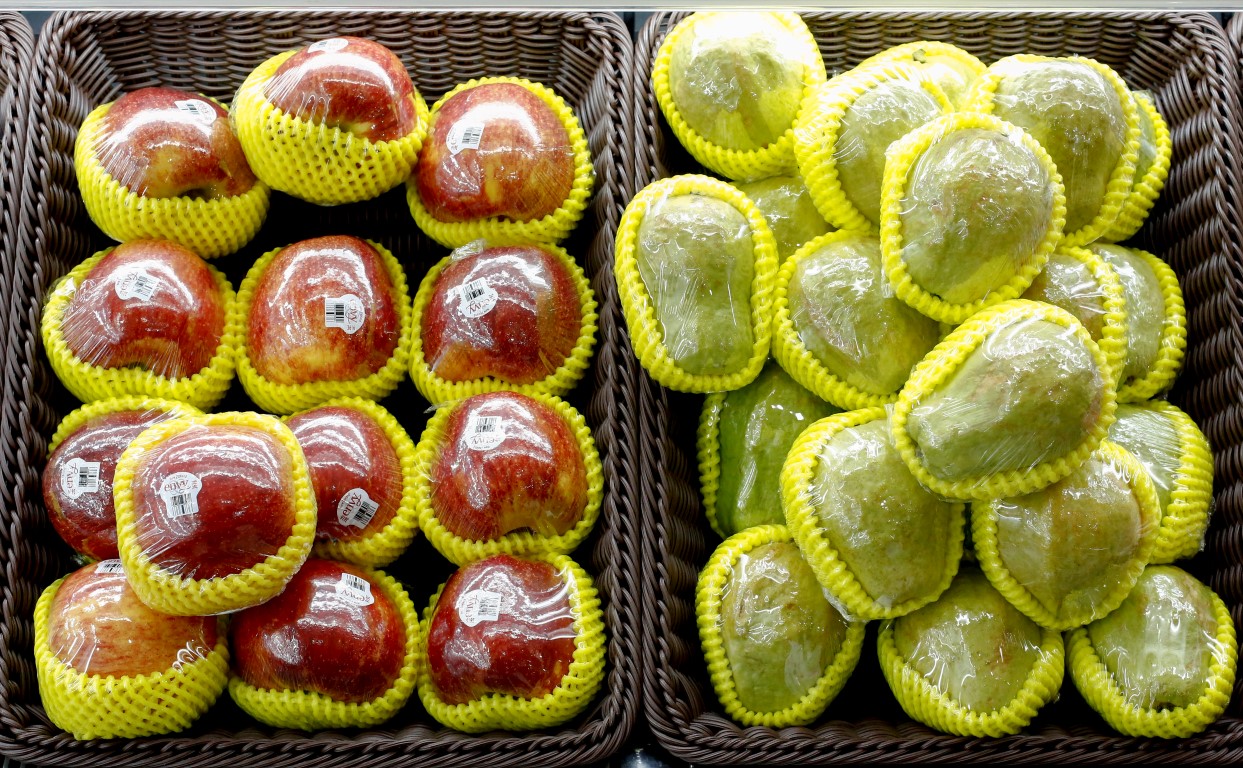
354, 470
98, 626
242, 513
522, 648
350, 83
521, 326
151, 304
160, 142
523, 168
290, 339
323, 635
83, 513
508, 462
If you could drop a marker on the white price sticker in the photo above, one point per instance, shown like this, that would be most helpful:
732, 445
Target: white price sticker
464, 136
78, 477
198, 109
479, 605
331, 45
476, 298
136, 285
344, 312
355, 590
356, 508
180, 492
109, 566
483, 433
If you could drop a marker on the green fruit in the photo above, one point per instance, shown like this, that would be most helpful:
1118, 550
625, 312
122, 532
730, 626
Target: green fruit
846, 314
1145, 308
780, 633
696, 258
1068, 283
1153, 439
757, 426
971, 644
789, 210
1147, 138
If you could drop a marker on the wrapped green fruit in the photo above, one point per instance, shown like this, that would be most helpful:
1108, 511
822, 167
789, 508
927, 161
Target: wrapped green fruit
730, 85
949, 66
1082, 113
838, 327
778, 652
1156, 330
971, 208
1177, 458
845, 127
1083, 284
1070, 553
744, 437
1152, 167
1163, 663
788, 209
695, 265
880, 543
1013, 400
970, 664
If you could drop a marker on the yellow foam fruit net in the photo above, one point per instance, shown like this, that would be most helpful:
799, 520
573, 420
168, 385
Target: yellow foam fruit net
512, 713
1118, 189
1173, 343
926, 703
210, 228
559, 382
313, 711
90, 382
385, 545
771, 160
1112, 341
708, 595
522, 543
79, 417
315, 162
1147, 188
646, 334
708, 452
129, 707
173, 594
501, 230
288, 398
819, 125
923, 52
1185, 519
948, 356
900, 161
797, 478
984, 537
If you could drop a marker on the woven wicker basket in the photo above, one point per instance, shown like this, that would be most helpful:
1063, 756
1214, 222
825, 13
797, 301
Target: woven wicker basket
86, 58
16, 47
1185, 60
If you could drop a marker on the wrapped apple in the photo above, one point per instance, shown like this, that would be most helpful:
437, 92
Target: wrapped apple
788, 208
144, 318
362, 470
1152, 167
507, 472
517, 317
214, 513
323, 318
337, 121
337, 648
163, 164
82, 459
505, 161
950, 67
512, 644
110, 667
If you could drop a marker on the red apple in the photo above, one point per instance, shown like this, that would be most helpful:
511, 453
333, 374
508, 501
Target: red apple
77, 481
349, 83
98, 626
291, 336
354, 470
332, 631
148, 303
160, 142
214, 500
511, 313
513, 156
502, 625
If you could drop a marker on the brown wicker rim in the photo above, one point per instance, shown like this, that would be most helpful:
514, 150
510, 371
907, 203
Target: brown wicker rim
1186, 60
16, 48
86, 58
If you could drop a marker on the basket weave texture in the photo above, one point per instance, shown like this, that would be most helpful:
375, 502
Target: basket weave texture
16, 47
86, 58
1186, 61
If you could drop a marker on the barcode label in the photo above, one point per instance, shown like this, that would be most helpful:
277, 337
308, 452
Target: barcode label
479, 605
78, 477
464, 136
180, 492
355, 590
476, 298
136, 285
356, 508
344, 312
198, 109
109, 566
331, 45
483, 433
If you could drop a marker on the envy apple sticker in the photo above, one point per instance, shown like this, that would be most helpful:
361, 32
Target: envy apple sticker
345, 312
356, 508
136, 285
180, 492
479, 605
354, 589
464, 135
483, 433
476, 298
78, 477
109, 566
331, 45
197, 109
